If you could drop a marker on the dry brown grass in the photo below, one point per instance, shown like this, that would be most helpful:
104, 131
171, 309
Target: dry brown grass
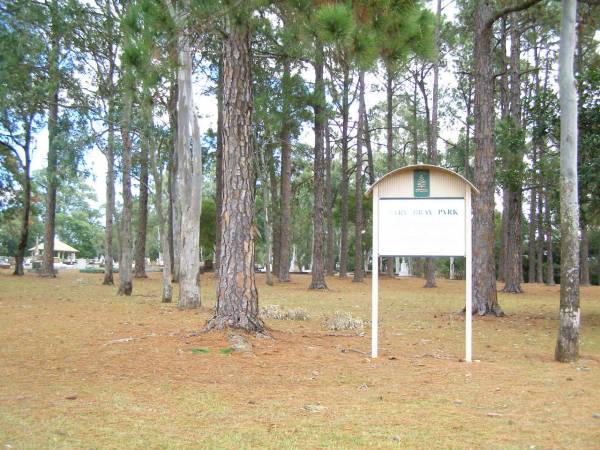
69, 337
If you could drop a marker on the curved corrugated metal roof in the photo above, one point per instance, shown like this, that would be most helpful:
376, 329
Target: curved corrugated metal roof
419, 166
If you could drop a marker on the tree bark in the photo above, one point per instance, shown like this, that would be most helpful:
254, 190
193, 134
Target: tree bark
467, 141
512, 273
125, 279
140, 242
52, 169
318, 266
237, 297
502, 257
329, 202
286, 177
266, 200
369, 146
172, 178
432, 155
167, 291
219, 169
485, 300
513, 264
415, 127
24, 235
389, 114
189, 179
276, 217
110, 163
345, 176
358, 182
567, 343
531, 253
539, 272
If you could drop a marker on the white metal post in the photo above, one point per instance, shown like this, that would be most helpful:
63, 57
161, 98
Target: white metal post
375, 275
468, 277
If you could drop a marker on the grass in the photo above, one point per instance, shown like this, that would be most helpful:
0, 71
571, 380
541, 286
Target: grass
133, 366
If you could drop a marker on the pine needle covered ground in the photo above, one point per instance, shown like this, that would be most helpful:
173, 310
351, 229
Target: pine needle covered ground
82, 368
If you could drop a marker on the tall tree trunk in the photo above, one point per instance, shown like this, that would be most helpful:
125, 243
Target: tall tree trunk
110, 197
539, 267
167, 291
504, 113
52, 169
344, 182
567, 343
110, 161
140, 243
485, 300
266, 200
172, 175
512, 273
467, 171
219, 169
585, 255
286, 177
189, 179
237, 297
318, 266
369, 146
433, 131
24, 235
276, 218
125, 279
549, 250
329, 202
415, 125
389, 114
502, 257
513, 265
531, 253
174, 194
358, 182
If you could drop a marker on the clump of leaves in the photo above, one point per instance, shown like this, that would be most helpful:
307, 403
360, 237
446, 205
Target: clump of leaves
226, 351
276, 312
342, 321
335, 23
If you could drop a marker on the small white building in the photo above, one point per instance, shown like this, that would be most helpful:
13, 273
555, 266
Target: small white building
62, 251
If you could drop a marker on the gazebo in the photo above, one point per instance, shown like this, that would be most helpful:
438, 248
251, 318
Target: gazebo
62, 251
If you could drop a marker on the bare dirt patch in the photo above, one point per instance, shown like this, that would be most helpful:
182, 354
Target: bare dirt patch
82, 368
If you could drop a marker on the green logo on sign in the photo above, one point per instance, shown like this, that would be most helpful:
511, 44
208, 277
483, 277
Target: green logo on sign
421, 183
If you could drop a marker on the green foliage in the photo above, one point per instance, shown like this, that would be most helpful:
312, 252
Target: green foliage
334, 23
77, 221
208, 222
589, 141
200, 350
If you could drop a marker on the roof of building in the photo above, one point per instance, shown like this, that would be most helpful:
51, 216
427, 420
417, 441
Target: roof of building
59, 246
417, 167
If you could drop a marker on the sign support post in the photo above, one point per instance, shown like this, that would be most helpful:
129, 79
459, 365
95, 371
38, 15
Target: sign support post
375, 278
468, 278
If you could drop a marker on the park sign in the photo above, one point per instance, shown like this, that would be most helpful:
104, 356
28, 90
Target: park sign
421, 210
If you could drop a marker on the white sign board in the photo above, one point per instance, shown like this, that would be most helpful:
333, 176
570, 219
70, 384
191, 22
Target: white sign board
422, 227
421, 210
